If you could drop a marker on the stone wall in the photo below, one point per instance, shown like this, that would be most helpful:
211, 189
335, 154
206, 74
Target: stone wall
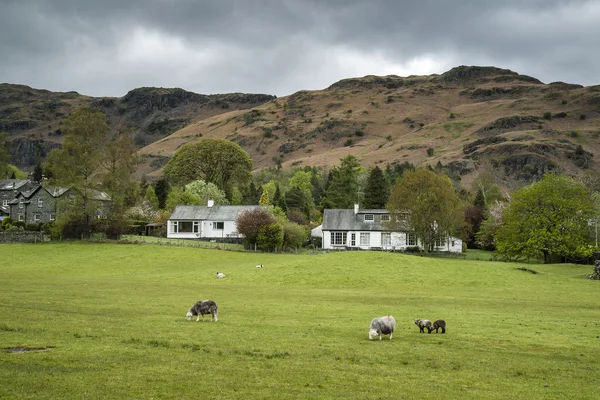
23, 237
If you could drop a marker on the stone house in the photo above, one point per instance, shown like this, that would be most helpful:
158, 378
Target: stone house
9, 188
41, 204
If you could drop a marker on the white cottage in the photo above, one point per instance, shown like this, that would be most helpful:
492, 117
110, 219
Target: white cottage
206, 222
364, 229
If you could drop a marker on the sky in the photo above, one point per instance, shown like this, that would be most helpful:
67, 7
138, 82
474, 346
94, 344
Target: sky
109, 47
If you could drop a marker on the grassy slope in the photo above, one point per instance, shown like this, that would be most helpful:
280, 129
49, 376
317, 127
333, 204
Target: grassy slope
295, 329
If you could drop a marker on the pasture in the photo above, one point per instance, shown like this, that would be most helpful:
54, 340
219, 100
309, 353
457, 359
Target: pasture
109, 322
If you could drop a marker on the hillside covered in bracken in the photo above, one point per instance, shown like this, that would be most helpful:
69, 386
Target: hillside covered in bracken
468, 120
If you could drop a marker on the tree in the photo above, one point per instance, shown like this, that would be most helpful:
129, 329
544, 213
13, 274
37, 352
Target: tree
38, 173
162, 189
270, 237
213, 160
150, 198
78, 163
182, 197
264, 198
279, 199
547, 219
377, 190
4, 154
294, 235
342, 191
250, 222
429, 203
207, 191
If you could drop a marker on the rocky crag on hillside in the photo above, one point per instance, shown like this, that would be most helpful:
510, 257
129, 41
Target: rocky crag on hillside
32, 117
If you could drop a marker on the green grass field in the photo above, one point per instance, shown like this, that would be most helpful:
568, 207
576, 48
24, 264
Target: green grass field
113, 317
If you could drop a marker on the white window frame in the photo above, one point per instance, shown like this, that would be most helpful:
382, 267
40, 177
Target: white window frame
196, 227
40, 202
36, 217
353, 239
216, 225
21, 202
369, 218
385, 217
439, 242
338, 238
21, 217
175, 226
52, 217
386, 238
411, 239
365, 239
5, 202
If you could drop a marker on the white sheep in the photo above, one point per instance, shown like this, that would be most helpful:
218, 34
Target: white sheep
260, 266
423, 324
382, 326
221, 275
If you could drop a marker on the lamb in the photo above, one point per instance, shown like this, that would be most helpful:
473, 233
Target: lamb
221, 275
260, 266
382, 326
423, 324
439, 324
203, 307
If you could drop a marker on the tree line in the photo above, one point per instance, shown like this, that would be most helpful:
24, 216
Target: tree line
554, 219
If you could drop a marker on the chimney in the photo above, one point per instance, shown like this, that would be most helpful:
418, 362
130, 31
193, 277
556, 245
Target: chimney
211, 203
356, 208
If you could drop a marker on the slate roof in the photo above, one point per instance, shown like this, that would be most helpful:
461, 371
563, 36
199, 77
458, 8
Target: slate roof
7, 184
347, 220
214, 213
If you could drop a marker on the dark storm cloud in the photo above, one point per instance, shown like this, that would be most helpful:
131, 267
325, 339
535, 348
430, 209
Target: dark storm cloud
281, 46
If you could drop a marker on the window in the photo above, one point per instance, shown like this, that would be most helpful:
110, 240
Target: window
21, 218
353, 239
196, 226
36, 217
52, 217
385, 217
365, 239
369, 218
338, 238
5, 202
40, 202
175, 226
185, 226
386, 239
411, 239
439, 242
219, 225
21, 202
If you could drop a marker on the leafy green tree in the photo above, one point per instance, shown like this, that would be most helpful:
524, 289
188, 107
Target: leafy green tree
428, 202
377, 190
264, 198
270, 237
4, 154
547, 219
207, 191
343, 188
279, 199
219, 161
151, 198
77, 165
182, 197
38, 173
162, 189
294, 235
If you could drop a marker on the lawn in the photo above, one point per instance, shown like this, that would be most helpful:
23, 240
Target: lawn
111, 318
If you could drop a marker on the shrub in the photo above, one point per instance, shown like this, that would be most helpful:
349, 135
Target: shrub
294, 235
348, 142
430, 151
547, 115
270, 237
582, 117
452, 116
250, 222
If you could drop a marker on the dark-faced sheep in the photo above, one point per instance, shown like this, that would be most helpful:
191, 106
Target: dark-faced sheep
221, 275
260, 266
202, 308
423, 324
382, 326
439, 324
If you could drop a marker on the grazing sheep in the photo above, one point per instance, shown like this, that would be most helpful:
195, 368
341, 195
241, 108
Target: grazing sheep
439, 324
422, 324
203, 307
260, 266
221, 275
382, 326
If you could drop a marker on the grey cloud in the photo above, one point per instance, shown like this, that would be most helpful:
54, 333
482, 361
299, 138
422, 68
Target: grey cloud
281, 46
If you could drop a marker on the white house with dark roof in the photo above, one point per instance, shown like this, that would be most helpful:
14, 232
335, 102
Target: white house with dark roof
366, 230
206, 222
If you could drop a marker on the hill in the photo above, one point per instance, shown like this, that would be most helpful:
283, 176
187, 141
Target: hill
468, 120
32, 117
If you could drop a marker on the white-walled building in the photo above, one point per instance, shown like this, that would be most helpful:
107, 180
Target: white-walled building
365, 229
